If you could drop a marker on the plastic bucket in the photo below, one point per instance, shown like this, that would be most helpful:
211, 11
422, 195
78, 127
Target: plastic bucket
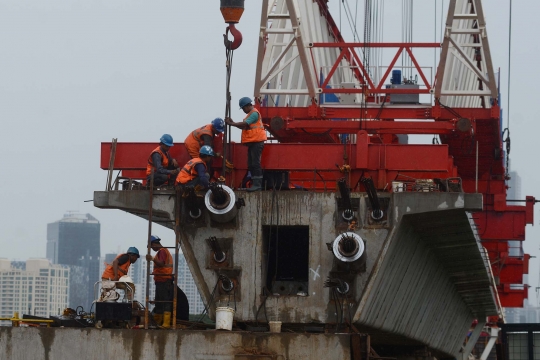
224, 318
275, 326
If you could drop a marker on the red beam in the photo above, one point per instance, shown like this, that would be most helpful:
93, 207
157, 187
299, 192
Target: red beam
413, 158
370, 90
376, 45
373, 127
381, 112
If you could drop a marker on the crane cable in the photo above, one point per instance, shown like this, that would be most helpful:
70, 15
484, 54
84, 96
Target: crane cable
507, 129
229, 52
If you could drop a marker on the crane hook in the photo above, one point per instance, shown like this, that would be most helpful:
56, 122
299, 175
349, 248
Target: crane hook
237, 37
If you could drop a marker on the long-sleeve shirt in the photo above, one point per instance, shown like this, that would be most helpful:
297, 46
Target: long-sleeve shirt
156, 159
207, 140
201, 171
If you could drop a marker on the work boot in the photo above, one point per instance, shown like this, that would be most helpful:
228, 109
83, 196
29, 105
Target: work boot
158, 318
256, 185
166, 320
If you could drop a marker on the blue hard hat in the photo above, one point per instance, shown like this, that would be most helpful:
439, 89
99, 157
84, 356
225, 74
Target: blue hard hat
133, 250
206, 150
154, 238
218, 124
244, 101
167, 140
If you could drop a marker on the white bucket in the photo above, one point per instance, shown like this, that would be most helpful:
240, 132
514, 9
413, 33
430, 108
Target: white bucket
398, 186
275, 326
224, 318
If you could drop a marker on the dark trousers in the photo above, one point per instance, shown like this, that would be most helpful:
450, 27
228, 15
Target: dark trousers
164, 292
161, 179
197, 181
255, 150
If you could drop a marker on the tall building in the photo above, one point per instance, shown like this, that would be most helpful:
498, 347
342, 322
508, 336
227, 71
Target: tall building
75, 241
40, 289
187, 284
514, 187
137, 272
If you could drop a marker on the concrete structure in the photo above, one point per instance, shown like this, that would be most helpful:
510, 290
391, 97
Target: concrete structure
90, 344
75, 241
423, 269
41, 289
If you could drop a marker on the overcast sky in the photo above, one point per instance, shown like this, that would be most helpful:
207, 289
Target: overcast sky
75, 73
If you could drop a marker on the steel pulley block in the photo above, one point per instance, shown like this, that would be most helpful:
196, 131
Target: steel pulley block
232, 10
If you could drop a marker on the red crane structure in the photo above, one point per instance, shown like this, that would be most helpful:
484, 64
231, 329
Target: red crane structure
323, 100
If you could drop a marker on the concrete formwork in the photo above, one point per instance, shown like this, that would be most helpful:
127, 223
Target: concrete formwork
90, 344
412, 289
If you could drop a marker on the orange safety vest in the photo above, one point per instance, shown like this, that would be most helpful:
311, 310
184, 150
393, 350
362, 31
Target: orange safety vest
163, 273
255, 132
122, 269
189, 172
194, 141
165, 159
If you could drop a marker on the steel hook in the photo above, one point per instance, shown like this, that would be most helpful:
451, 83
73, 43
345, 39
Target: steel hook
237, 36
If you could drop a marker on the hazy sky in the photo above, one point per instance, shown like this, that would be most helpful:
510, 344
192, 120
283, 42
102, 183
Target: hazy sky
74, 73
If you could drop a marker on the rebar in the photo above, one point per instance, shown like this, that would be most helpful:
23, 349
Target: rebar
348, 246
219, 196
376, 212
219, 255
348, 213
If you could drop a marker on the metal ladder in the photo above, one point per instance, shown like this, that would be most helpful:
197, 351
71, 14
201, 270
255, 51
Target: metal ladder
176, 254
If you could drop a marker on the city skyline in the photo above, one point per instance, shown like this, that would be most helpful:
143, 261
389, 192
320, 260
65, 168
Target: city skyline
35, 287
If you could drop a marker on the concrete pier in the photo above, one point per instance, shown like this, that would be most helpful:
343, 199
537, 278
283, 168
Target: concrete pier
422, 280
92, 344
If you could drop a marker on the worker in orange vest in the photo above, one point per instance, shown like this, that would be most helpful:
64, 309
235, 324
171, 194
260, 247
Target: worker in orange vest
163, 278
203, 136
165, 167
120, 265
194, 173
254, 136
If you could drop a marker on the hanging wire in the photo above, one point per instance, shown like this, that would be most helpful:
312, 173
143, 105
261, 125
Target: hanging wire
348, 13
227, 131
441, 33
340, 17
509, 63
356, 13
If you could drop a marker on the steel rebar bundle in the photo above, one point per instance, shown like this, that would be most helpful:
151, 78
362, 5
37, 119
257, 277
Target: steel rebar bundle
376, 212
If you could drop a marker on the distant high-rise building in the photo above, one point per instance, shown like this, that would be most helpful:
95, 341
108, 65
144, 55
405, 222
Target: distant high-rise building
137, 272
514, 187
187, 284
40, 289
75, 241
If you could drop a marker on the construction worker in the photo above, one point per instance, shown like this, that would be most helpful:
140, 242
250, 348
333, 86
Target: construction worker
163, 269
165, 167
254, 136
120, 265
203, 136
194, 173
